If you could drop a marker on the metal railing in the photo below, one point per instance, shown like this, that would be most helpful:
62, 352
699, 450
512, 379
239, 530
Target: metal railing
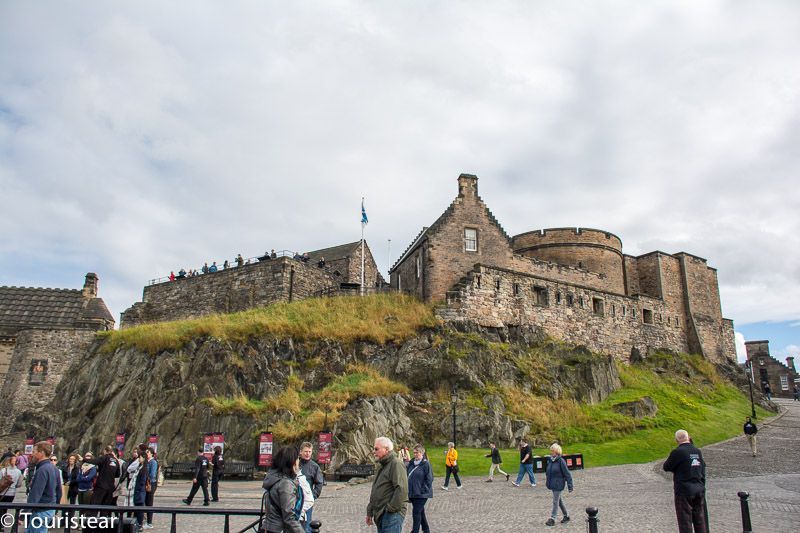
116, 515
232, 264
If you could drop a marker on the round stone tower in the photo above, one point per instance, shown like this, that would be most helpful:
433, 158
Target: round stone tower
591, 249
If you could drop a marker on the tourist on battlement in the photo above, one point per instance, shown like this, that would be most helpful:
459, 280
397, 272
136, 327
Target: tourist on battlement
171, 275
213, 267
558, 477
272, 254
226, 265
297, 256
182, 273
239, 260
420, 489
205, 268
689, 484
306, 257
389, 494
321, 262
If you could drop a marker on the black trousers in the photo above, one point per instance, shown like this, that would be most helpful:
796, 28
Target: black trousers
691, 513
455, 476
215, 488
201, 483
418, 515
148, 502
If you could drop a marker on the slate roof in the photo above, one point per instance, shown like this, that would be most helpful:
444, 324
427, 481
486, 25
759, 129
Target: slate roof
335, 253
29, 307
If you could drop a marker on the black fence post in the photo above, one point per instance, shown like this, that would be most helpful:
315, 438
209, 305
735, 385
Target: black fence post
592, 520
315, 526
746, 526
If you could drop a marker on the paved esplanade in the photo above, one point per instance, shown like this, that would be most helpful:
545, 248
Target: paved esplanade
631, 498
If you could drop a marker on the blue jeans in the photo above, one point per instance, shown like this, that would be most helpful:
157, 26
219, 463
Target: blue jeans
44, 516
391, 523
308, 520
523, 469
558, 501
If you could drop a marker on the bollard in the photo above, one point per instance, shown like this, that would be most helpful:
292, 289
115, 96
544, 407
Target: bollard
592, 520
746, 526
315, 526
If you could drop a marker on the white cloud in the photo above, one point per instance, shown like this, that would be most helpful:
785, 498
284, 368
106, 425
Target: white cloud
138, 138
741, 351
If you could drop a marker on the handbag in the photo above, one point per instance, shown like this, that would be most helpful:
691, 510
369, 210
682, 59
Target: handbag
455, 468
5, 482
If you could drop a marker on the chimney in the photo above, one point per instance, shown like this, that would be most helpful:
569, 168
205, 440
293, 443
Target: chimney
90, 286
468, 185
790, 363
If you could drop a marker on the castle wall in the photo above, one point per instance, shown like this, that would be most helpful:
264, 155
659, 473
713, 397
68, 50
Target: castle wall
649, 270
631, 266
590, 249
372, 276
59, 348
767, 369
228, 291
6, 350
411, 274
602, 321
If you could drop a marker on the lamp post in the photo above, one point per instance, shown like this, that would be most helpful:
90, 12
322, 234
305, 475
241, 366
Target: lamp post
454, 398
749, 366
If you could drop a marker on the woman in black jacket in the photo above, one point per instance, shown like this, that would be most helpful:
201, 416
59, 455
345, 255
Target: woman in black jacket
284, 495
69, 474
420, 488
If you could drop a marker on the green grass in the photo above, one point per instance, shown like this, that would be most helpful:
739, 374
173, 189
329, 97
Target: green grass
380, 318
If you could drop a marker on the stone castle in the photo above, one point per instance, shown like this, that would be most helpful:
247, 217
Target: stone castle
574, 283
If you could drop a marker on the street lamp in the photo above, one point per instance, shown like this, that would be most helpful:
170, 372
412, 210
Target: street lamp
749, 366
454, 399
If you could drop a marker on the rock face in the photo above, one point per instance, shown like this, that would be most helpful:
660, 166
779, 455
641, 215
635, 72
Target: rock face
640, 408
129, 391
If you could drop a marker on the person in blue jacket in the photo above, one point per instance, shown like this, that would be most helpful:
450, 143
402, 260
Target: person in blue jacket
420, 488
558, 477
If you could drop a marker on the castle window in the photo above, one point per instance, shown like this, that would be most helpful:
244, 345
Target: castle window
677, 322
558, 297
497, 284
647, 316
633, 312
761, 361
613, 310
580, 264
515, 288
624, 310
418, 263
784, 382
597, 307
478, 279
470, 240
541, 295
38, 372
570, 300
580, 301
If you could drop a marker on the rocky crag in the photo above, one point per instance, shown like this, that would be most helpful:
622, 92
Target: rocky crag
177, 393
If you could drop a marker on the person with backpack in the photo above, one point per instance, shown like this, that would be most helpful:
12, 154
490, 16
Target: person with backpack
750, 431
558, 477
283, 495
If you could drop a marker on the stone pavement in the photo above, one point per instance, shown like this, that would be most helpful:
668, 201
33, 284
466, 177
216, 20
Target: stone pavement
631, 498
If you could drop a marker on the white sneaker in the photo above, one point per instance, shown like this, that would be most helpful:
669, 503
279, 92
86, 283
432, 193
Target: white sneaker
458, 487
444, 488
533, 484
147, 525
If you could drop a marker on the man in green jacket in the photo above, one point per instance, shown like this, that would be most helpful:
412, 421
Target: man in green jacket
387, 501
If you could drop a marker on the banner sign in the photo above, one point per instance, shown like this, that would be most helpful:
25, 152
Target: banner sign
265, 450
324, 451
29, 442
120, 442
211, 441
152, 442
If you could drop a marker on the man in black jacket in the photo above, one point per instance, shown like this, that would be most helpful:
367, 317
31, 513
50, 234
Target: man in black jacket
750, 431
199, 479
313, 474
218, 462
689, 481
494, 453
107, 473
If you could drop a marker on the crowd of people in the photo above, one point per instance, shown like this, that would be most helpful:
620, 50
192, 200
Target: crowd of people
108, 479
240, 261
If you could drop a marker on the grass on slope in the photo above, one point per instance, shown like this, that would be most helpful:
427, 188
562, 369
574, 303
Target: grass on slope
380, 318
296, 422
696, 399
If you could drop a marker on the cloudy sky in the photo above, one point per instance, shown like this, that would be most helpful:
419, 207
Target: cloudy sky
139, 137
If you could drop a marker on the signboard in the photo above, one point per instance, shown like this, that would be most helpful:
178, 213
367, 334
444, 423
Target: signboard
211, 441
265, 450
120, 443
325, 449
152, 442
29, 442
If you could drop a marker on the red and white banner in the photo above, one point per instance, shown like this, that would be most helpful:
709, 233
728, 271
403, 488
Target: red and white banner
211, 441
152, 442
265, 450
325, 448
120, 442
29, 442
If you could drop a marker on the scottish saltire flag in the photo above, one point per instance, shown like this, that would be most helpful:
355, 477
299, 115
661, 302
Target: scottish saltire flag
364, 219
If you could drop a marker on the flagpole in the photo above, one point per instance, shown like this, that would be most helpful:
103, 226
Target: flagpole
362, 250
